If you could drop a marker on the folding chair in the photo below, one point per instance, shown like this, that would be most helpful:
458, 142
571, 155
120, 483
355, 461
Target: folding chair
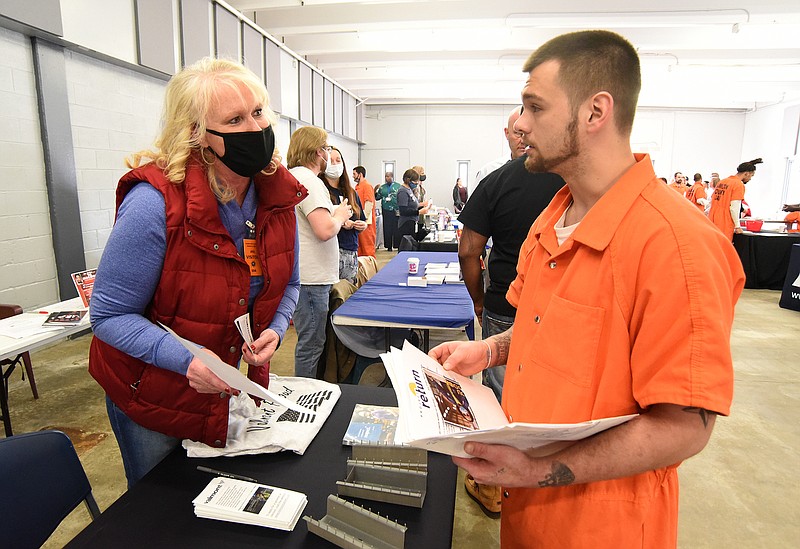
41, 482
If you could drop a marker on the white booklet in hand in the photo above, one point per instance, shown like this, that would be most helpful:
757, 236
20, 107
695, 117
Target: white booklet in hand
441, 410
234, 500
234, 377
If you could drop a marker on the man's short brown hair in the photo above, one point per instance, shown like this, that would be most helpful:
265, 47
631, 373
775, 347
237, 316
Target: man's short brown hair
591, 62
304, 144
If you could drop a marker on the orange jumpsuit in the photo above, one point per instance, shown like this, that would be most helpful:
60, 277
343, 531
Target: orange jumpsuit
697, 191
677, 187
366, 238
617, 318
729, 189
794, 219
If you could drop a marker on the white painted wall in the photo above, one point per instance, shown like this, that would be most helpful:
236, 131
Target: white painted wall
27, 262
114, 112
689, 142
438, 136
771, 133
435, 137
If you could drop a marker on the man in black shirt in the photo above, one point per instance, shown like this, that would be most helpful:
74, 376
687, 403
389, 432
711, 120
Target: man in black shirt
503, 206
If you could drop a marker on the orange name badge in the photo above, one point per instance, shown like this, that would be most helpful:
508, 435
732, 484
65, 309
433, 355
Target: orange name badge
251, 256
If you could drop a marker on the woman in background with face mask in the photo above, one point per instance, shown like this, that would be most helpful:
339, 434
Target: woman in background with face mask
338, 184
408, 205
205, 232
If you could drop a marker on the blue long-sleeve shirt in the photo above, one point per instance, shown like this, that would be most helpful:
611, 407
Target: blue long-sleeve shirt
130, 269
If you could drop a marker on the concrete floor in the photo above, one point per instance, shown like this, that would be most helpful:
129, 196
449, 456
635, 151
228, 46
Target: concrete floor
742, 491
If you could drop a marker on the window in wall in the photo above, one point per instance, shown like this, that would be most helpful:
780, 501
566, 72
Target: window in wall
388, 166
463, 171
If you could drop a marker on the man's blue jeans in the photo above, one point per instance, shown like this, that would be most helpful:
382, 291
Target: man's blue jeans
309, 322
494, 324
141, 448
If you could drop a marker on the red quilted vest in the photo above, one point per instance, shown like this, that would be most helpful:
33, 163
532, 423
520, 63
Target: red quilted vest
204, 286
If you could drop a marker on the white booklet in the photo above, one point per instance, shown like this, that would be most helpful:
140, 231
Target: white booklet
441, 410
246, 502
232, 376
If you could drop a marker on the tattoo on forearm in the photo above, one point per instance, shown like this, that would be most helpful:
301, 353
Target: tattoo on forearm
704, 414
560, 475
503, 343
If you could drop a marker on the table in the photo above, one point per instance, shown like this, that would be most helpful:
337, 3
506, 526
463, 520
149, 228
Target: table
765, 257
790, 297
409, 243
157, 512
10, 347
383, 303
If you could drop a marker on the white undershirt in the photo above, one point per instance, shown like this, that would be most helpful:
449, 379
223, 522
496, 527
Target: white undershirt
562, 232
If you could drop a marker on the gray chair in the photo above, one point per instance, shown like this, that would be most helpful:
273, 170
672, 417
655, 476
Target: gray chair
41, 482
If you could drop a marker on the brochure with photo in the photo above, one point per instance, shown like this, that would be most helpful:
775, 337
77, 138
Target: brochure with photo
440, 411
65, 318
372, 425
246, 502
84, 282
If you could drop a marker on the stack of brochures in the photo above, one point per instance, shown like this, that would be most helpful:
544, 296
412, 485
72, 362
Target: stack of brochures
440, 411
246, 502
447, 273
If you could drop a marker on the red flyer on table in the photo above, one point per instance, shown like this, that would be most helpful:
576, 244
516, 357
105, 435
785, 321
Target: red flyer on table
84, 282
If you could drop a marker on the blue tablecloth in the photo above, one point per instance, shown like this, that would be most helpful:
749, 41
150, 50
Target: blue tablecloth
383, 299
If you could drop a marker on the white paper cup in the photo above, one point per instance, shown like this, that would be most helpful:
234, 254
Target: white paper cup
413, 265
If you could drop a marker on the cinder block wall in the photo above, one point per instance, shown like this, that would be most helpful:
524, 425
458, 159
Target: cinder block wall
114, 112
27, 263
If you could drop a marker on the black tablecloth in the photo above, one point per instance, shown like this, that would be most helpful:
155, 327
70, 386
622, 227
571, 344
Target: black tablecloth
158, 511
410, 244
765, 258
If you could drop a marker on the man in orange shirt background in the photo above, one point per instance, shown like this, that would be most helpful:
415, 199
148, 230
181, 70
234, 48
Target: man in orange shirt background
697, 194
366, 238
678, 183
614, 317
726, 204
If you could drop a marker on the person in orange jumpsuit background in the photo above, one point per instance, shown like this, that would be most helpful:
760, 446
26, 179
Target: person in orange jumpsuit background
792, 221
697, 194
366, 238
614, 316
678, 183
726, 203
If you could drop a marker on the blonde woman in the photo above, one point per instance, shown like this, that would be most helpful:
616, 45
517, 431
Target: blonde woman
205, 232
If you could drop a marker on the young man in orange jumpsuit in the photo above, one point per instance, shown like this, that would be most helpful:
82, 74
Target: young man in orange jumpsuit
697, 194
614, 316
366, 238
727, 200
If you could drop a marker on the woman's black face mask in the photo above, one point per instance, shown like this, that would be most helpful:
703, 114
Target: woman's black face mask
246, 153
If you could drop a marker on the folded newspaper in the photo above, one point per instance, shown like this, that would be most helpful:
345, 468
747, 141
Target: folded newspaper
440, 411
272, 426
250, 503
